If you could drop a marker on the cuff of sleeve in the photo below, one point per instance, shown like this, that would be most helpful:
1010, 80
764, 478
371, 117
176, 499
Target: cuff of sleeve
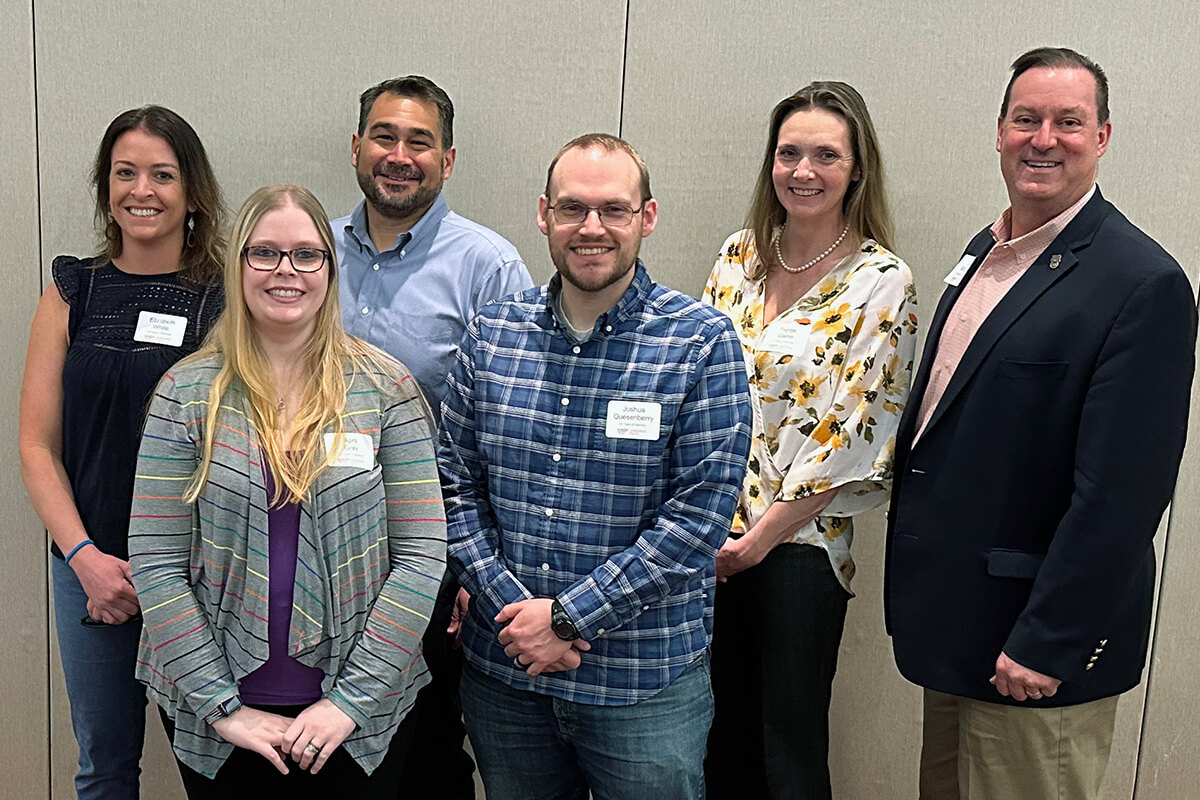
857, 497
210, 705
588, 608
344, 705
502, 590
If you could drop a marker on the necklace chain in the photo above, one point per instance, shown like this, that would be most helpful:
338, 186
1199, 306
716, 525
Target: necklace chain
789, 267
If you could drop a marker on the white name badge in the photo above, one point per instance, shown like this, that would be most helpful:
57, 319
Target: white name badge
630, 419
160, 329
784, 336
357, 451
956, 275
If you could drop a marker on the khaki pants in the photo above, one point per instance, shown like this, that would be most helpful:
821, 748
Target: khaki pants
973, 750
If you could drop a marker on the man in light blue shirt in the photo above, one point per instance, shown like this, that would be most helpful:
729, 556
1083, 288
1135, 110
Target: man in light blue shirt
413, 275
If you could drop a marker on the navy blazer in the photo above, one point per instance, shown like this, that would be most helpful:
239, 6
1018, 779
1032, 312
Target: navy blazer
1023, 519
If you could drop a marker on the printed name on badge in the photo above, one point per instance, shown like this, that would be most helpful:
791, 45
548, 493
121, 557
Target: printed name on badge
956, 275
785, 335
630, 419
155, 328
357, 451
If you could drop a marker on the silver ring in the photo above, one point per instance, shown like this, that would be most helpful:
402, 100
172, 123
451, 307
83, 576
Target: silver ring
312, 748
519, 663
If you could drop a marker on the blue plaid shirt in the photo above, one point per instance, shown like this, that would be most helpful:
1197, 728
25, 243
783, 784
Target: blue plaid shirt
540, 502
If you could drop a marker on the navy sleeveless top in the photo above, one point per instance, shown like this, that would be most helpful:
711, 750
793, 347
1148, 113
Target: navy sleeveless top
108, 379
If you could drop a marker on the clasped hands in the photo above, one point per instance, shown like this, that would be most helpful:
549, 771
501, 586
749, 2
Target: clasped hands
531, 643
309, 739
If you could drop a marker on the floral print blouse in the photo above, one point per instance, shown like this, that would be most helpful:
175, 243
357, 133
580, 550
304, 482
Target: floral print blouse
828, 378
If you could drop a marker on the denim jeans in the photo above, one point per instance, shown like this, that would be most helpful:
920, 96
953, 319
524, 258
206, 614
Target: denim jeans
535, 747
108, 706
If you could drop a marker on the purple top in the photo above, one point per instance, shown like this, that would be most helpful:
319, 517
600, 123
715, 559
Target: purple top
282, 680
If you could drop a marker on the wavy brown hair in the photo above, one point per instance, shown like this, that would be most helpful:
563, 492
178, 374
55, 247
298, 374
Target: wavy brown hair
200, 261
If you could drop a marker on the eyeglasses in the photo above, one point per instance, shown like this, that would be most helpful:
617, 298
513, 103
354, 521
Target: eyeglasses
268, 259
614, 215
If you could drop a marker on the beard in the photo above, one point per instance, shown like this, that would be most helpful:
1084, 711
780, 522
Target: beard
399, 207
592, 280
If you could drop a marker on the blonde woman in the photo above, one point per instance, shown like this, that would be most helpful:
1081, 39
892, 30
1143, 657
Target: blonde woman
824, 311
287, 535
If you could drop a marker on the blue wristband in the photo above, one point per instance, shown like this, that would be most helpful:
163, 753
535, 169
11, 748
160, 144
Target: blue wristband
77, 548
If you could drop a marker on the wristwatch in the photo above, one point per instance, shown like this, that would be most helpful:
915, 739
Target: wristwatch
561, 624
223, 710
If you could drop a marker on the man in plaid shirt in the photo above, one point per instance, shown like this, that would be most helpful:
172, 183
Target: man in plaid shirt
595, 434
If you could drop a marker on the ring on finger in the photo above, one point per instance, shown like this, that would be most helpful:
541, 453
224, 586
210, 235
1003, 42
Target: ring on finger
520, 664
313, 748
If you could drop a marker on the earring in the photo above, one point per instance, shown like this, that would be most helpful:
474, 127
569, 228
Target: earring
191, 231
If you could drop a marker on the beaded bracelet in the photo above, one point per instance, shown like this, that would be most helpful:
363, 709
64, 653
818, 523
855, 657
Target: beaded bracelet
77, 548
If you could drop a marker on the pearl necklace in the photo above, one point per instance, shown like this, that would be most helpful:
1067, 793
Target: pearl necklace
788, 267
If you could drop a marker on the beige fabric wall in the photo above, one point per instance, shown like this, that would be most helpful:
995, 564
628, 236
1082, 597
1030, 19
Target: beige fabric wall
24, 726
272, 91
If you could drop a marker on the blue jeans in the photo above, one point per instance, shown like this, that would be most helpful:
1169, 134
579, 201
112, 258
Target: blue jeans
108, 706
535, 747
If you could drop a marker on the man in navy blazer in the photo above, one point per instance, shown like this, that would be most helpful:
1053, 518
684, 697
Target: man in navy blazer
1035, 458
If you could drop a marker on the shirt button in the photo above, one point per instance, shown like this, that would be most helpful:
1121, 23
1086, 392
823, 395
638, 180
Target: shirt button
545, 567
402, 254
375, 267
549, 512
556, 457
645, 608
575, 349
963, 316
608, 328
600, 632
566, 401
366, 310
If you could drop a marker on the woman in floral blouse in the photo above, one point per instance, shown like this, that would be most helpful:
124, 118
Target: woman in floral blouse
825, 312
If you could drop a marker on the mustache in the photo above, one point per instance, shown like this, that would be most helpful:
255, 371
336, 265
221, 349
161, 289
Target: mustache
401, 172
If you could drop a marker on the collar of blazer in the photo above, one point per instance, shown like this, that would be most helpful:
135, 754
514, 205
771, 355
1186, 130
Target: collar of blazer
1055, 261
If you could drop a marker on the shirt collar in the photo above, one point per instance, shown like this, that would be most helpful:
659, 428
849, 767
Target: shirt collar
424, 229
633, 300
1031, 245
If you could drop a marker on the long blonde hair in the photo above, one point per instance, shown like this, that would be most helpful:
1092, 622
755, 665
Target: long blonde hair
865, 204
324, 359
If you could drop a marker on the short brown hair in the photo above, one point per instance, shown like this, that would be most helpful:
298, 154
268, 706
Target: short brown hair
1061, 57
608, 143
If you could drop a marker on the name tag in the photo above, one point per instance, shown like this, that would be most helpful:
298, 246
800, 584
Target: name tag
956, 275
784, 336
160, 329
629, 419
357, 451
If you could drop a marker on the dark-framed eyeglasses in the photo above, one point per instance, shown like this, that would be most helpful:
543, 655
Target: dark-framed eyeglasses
268, 259
613, 215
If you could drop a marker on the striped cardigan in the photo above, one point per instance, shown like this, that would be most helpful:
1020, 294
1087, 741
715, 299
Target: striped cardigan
372, 551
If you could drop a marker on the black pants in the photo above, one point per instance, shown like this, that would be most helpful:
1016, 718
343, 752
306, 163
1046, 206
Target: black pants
437, 764
248, 774
777, 629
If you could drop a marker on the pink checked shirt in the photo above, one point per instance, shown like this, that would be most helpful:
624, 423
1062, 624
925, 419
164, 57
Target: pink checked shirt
1001, 269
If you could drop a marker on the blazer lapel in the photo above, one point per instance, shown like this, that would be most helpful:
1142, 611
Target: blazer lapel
977, 247
1056, 261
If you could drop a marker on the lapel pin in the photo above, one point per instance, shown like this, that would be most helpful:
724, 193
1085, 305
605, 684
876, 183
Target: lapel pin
1055, 260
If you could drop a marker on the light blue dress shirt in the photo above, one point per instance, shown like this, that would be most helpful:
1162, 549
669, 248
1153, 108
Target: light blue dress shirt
415, 300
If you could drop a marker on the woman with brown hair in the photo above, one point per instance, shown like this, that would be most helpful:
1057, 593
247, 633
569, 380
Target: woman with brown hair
824, 311
101, 338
